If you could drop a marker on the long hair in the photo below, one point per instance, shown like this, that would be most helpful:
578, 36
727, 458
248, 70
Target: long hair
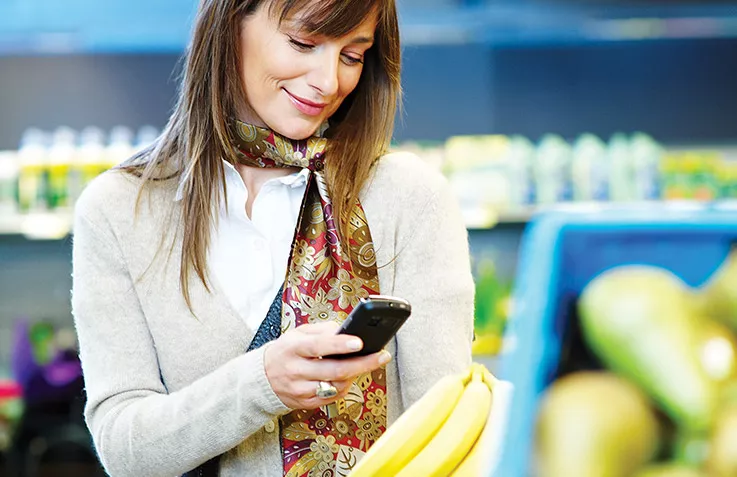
197, 138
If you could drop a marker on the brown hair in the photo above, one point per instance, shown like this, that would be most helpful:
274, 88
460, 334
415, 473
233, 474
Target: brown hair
197, 136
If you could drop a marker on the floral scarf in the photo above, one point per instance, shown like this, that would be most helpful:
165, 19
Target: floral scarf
322, 284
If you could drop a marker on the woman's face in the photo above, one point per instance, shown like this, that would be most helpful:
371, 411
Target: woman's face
295, 81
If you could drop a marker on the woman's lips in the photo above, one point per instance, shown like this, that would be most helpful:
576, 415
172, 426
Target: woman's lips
305, 106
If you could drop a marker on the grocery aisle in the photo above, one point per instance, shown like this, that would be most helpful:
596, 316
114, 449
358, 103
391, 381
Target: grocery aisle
578, 139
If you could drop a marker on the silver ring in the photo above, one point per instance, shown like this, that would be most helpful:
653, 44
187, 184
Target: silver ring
325, 390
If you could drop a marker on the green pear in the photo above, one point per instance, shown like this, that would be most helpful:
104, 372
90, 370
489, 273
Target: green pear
717, 298
594, 424
640, 323
716, 347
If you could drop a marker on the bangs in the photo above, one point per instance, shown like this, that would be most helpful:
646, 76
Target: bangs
330, 18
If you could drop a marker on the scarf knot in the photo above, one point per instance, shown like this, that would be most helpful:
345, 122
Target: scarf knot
262, 147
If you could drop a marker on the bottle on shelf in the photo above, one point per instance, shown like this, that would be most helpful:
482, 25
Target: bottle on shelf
552, 170
32, 176
120, 146
89, 160
145, 137
620, 169
520, 160
61, 157
8, 182
478, 173
646, 156
589, 169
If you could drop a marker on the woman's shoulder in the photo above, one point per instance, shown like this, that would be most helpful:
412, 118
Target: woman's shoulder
406, 174
113, 195
105, 191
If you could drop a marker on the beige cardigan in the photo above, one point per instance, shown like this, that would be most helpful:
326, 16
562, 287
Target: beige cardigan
168, 390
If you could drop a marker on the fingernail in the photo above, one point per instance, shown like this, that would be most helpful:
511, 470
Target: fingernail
384, 357
355, 345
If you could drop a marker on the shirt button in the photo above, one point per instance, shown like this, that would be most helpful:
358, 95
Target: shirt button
259, 245
270, 426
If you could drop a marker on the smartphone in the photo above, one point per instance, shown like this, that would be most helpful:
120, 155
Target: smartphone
375, 320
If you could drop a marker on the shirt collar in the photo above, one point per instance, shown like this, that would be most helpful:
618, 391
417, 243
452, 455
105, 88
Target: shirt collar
294, 180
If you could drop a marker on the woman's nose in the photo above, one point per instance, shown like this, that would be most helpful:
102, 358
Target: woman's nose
324, 75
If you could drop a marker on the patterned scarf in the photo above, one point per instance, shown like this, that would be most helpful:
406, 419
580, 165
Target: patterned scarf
322, 284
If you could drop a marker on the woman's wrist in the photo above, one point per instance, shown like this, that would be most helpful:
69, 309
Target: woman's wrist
267, 398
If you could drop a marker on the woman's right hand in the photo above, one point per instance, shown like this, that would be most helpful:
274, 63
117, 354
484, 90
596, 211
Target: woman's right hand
294, 366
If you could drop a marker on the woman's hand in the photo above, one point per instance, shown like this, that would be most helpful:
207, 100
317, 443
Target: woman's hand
294, 368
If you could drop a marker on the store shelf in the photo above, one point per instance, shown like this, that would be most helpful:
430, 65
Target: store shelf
37, 226
522, 216
478, 220
50, 226
519, 216
77, 26
54, 226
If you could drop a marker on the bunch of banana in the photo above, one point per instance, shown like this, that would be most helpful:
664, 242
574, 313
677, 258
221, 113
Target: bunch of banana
444, 433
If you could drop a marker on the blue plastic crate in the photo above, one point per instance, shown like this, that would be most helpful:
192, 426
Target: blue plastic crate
561, 252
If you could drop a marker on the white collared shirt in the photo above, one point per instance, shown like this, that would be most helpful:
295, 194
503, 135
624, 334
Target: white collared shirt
248, 257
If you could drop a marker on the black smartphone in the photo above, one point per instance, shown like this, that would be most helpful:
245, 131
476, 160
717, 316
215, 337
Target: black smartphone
375, 320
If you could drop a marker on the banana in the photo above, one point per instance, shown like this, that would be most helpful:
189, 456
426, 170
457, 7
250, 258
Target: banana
456, 437
414, 428
476, 461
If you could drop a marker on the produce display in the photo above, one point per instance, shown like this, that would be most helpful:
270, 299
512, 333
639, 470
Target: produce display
665, 402
613, 443
451, 431
492, 307
722, 454
495, 175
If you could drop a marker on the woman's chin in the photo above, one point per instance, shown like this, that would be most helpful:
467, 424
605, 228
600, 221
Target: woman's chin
297, 130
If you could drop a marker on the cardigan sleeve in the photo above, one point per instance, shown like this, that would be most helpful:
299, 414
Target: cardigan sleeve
433, 272
138, 428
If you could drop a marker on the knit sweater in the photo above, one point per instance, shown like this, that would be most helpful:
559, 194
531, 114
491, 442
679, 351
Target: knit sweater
169, 388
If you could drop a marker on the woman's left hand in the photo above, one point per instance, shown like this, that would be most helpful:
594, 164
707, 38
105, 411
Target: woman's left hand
294, 366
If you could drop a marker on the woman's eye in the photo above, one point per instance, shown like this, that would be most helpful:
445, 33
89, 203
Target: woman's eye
352, 60
299, 45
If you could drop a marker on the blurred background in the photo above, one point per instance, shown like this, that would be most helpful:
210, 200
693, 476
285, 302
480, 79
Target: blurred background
592, 145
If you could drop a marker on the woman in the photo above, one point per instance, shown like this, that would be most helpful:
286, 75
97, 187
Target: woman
211, 270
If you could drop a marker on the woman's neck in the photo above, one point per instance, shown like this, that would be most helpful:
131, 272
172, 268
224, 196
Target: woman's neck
255, 177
